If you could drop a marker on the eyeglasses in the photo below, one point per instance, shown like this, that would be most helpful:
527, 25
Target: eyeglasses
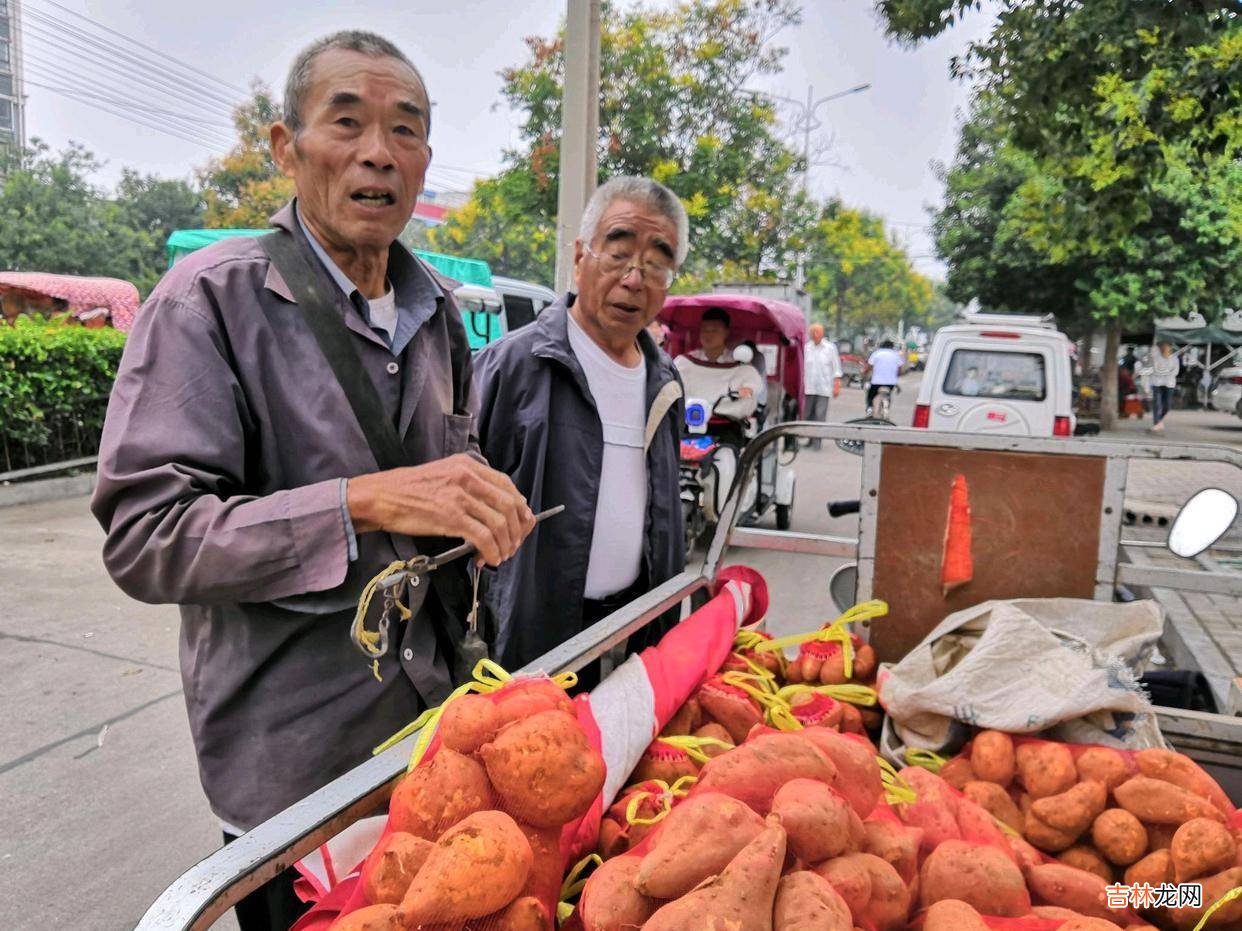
611, 263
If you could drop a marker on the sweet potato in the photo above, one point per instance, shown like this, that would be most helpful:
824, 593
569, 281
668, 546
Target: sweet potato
814, 709
391, 867
983, 877
730, 707
1103, 765
697, 840
1214, 889
888, 909
851, 719
864, 662
715, 732
477, 867
996, 801
524, 914
547, 866
543, 769
1087, 858
818, 823
805, 901
935, 809
1045, 768
896, 843
953, 915
1083, 923
1160, 836
858, 773
1119, 836
957, 772
1024, 854
1074, 810
755, 770
371, 918
616, 833
664, 762
522, 698
685, 720
1154, 869
1054, 912
1163, 802
740, 897
1201, 846
437, 794
469, 721
1181, 770
851, 879
1068, 887
1045, 836
610, 901
992, 757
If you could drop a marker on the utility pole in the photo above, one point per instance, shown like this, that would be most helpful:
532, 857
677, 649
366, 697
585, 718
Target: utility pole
12, 89
579, 131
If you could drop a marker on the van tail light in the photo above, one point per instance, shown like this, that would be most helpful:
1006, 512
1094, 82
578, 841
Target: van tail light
1061, 426
1000, 334
1234, 379
922, 415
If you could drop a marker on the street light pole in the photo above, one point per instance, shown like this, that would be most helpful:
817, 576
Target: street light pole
579, 130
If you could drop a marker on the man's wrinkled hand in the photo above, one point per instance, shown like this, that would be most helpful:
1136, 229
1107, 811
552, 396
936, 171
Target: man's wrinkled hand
454, 497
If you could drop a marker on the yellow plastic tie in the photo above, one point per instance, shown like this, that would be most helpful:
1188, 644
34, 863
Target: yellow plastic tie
369, 639
665, 796
1218, 904
896, 790
868, 610
574, 885
761, 689
693, 746
747, 639
854, 694
932, 762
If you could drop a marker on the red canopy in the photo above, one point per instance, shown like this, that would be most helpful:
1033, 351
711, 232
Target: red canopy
765, 321
81, 294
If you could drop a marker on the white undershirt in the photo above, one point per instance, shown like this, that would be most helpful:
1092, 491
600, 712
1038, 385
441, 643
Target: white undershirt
620, 511
383, 312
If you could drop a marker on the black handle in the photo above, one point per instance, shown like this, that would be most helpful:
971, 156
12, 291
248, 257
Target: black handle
841, 508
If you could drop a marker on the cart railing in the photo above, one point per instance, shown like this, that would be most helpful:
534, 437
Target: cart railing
1109, 571
209, 889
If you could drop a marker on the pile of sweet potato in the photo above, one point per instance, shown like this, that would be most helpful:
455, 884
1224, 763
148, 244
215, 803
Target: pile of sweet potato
474, 831
1077, 820
773, 835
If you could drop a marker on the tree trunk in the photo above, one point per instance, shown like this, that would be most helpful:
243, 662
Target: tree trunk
1084, 351
1108, 375
840, 328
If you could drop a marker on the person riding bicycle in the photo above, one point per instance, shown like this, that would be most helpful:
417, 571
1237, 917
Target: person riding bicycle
711, 374
884, 366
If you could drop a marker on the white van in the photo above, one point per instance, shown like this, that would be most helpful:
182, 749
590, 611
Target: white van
522, 299
998, 373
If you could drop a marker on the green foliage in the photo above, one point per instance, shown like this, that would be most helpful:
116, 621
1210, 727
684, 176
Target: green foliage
244, 188
54, 380
155, 207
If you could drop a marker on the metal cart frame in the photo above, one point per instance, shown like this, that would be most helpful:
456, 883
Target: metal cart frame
210, 888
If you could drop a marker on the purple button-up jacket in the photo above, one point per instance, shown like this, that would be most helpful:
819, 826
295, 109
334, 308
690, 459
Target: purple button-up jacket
220, 470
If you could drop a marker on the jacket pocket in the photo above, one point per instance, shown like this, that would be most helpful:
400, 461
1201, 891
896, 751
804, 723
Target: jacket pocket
456, 433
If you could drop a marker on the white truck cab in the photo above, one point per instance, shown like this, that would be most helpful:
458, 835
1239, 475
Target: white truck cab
998, 373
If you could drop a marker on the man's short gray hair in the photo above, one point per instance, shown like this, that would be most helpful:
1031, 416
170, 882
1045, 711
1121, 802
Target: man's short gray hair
652, 194
297, 85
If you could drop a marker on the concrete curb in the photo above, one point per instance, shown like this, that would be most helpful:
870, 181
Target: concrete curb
48, 489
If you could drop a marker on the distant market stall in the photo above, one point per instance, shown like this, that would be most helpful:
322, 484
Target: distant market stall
98, 301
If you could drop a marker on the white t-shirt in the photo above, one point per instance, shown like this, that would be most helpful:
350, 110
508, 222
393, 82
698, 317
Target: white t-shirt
620, 511
885, 366
383, 312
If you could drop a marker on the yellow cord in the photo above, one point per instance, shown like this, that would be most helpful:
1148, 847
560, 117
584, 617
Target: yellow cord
1219, 903
896, 790
665, 796
574, 885
837, 631
369, 639
932, 762
693, 746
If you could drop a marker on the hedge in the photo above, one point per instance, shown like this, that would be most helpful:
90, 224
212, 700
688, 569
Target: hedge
54, 384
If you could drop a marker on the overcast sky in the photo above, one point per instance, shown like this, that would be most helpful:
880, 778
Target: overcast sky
884, 139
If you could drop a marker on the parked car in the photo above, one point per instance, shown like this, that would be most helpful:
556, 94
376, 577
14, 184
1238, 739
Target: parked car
522, 300
998, 373
1226, 393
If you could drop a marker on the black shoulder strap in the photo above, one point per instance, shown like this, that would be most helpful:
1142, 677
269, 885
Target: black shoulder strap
310, 289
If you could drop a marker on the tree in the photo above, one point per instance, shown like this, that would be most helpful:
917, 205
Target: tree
244, 188
1121, 123
54, 219
673, 105
156, 207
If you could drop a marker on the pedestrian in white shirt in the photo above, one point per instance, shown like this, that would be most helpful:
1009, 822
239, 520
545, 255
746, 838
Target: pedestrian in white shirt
822, 364
1164, 371
885, 367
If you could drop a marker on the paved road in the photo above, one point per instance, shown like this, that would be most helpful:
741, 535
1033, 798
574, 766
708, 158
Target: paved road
99, 792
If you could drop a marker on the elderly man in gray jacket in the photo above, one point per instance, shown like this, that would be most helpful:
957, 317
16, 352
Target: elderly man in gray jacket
581, 408
292, 414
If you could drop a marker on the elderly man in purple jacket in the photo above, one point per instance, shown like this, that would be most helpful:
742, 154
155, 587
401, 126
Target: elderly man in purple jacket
236, 478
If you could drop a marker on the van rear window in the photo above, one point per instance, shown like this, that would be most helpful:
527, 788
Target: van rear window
988, 373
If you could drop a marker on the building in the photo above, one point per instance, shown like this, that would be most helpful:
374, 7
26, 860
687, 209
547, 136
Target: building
12, 96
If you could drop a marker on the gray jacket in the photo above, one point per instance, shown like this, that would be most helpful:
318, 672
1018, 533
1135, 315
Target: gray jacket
538, 423
220, 470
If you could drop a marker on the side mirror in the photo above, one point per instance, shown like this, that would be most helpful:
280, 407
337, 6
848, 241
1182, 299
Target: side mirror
1202, 521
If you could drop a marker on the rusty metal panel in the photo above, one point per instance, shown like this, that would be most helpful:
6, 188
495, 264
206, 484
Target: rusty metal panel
1035, 522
